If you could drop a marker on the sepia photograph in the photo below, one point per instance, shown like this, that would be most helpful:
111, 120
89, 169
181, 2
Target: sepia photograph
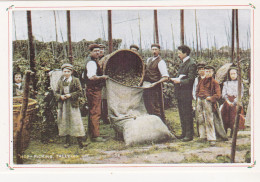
144, 85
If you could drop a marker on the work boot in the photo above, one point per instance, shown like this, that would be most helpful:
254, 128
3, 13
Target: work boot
81, 143
212, 143
67, 143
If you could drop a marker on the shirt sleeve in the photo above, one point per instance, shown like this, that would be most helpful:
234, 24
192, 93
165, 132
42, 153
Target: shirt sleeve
92, 69
194, 88
224, 91
163, 68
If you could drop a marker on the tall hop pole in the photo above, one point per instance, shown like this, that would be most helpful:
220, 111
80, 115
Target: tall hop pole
31, 48
182, 26
69, 36
238, 107
233, 36
156, 27
110, 40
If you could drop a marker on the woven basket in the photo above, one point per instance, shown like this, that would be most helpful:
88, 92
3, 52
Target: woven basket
222, 72
30, 116
124, 61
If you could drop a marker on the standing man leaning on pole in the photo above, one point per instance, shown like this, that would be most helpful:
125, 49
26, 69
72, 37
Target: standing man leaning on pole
183, 90
156, 72
94, 83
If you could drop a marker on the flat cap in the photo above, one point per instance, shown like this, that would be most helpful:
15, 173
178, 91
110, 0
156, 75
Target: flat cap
156, 45
134, 46
209, 67
201, 65
68, 66
102, 46
93, 46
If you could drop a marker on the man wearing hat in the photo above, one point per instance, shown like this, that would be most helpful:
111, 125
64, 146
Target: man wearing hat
183, 91
134, 48
201, 72
207, 93
94, 83
156, 73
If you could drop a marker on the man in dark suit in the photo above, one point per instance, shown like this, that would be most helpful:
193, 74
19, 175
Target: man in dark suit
183, 90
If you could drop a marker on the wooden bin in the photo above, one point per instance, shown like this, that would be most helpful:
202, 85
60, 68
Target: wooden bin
123, 59
30, 116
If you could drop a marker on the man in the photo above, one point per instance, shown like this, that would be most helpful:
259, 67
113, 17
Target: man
104, 109
94, 83
155, 73
134, 48
208, 92
201, 72
183, 90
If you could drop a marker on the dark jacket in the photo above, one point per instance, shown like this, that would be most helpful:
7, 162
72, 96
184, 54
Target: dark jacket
183, 90
75, 91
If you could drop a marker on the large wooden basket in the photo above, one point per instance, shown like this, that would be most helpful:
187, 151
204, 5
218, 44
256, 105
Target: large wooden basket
30, 116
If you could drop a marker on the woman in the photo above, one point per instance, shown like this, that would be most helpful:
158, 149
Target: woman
69, 118
230, 94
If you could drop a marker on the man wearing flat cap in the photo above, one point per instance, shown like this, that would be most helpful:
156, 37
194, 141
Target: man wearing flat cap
134, 48
156, 73
94, 83
183, 91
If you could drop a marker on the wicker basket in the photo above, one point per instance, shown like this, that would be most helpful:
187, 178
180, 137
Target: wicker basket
30, 116
121, 63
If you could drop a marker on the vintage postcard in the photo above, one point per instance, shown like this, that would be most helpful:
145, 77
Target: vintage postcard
130, 84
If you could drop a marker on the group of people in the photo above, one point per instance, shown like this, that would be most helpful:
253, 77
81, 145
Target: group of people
205, 90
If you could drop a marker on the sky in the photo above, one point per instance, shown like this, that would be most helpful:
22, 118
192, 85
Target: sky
92, 24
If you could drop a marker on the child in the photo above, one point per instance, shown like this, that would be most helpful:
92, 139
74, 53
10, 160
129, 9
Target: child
230, 93
18, 85
208, 92
69, 117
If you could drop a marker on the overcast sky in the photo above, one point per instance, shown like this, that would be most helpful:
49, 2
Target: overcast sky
86, 24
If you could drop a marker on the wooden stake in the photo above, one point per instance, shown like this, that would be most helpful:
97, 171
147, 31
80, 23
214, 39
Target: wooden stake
196, 24
140, 33
233, 36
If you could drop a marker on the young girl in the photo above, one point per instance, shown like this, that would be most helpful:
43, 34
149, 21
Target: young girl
230, 94
69, 117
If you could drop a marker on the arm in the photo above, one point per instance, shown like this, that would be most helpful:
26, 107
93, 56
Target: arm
92, 71
217, 93
194, 88
164, 72
78, 91
57, 91
191, 75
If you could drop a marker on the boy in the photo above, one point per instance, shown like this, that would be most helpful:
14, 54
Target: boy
18, 85
207, 93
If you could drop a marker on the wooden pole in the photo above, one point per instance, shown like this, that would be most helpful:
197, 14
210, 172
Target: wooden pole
173, 55
200, 39
156, 27
110, 40
239, 105
140, 33
233, 36
196, 24
69, 36
182, 26
18, 144
31, 48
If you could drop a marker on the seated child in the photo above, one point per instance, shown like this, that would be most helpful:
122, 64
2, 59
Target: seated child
208, 92
18, 85
69, 118
230, 93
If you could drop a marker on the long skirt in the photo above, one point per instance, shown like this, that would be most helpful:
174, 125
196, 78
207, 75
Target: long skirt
70, 121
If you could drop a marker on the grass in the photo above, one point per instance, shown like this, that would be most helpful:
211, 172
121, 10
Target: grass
54, 152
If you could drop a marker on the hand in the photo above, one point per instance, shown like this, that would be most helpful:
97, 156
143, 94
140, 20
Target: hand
105, 77
153, 84
176, 80
63, 97
208, 98
67, 96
